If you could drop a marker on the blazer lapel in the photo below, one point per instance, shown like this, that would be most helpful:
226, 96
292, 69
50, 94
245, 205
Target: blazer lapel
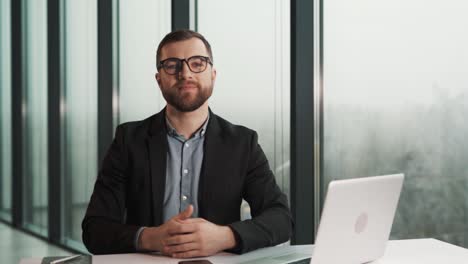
157, 149
213, 141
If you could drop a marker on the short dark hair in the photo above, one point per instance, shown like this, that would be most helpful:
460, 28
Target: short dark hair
181, 35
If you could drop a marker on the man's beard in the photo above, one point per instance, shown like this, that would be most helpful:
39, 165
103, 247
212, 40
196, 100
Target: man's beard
187, 101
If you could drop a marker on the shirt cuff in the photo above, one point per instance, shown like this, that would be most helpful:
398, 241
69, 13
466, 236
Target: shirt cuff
137, 238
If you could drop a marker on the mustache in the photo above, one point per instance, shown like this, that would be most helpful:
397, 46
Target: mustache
183, 83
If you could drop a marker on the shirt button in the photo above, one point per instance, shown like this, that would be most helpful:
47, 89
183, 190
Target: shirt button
185, 171
184, 197
187, 145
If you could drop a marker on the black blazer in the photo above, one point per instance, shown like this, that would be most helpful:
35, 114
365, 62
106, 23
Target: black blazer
129, 189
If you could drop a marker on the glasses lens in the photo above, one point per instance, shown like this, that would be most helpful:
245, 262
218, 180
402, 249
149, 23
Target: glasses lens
197, 64
171, 66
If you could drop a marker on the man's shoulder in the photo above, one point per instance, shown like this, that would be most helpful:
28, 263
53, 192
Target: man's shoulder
229, 129
137, 124
142, 128
136, 129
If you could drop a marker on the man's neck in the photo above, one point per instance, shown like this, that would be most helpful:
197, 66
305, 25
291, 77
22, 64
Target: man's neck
187, 123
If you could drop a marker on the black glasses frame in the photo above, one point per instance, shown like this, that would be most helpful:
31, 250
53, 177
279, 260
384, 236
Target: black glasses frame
180, 61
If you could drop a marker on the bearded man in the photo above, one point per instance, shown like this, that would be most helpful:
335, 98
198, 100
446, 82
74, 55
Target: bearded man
174, 182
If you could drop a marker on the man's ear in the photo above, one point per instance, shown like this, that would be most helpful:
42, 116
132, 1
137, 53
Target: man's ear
158, 78
213, 74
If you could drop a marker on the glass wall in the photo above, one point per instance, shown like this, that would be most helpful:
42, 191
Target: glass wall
396, 100
140, 28
80, 119
35, 192
5, 111
253, 72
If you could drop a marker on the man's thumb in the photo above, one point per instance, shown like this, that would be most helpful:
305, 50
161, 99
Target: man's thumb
186, 213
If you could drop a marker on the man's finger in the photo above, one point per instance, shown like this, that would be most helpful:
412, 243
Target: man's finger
179, 228
193, 221
185, 214
179, 239
188, 254
181, 248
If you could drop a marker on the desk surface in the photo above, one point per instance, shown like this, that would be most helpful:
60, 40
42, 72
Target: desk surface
412, 251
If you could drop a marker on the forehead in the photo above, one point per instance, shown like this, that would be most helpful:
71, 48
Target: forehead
184, 49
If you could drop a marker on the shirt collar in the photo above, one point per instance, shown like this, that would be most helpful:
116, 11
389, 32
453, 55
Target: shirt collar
171, 131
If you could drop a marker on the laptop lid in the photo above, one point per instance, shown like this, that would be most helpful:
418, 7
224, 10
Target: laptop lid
357, 219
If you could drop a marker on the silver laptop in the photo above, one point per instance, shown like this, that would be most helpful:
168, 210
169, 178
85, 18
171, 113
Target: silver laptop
354, 228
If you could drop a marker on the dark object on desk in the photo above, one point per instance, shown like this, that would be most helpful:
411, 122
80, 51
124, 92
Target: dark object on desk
195, 261
83, 259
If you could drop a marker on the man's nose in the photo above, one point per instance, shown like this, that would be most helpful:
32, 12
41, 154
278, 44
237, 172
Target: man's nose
185, 72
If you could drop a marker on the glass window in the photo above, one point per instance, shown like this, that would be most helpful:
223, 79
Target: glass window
35, 192
396, 100
253, 71
80, 119
5, 111
142, 25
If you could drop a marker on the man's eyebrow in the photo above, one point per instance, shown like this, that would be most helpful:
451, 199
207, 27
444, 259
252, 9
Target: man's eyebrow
198, 55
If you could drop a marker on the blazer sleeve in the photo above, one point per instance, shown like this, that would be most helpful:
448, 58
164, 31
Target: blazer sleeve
104, 229
271, 222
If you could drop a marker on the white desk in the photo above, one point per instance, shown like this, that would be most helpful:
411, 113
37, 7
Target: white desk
414, 251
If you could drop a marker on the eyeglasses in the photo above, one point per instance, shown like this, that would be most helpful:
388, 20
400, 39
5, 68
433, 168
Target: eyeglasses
196, 64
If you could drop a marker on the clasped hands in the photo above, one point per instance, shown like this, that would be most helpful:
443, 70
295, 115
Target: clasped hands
185, 237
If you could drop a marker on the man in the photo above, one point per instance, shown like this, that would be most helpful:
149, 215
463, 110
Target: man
174, 182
